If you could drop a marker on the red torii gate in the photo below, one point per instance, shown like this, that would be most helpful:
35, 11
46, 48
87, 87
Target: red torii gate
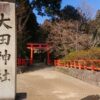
32, 46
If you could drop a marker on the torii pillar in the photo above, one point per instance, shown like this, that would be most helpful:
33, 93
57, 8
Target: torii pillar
48, 56
31, 53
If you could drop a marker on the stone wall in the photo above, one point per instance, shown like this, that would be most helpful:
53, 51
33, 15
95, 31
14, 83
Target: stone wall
91, 77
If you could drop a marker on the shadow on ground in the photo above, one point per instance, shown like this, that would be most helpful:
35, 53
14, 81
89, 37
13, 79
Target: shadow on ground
34, 67
21, 96
92, 97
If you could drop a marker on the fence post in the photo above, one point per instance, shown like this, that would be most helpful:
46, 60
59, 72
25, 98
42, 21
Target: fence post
80, 66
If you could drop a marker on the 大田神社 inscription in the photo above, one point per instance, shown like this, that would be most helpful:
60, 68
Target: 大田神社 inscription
7, 51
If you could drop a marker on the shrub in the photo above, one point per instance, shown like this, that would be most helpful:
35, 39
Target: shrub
93, 53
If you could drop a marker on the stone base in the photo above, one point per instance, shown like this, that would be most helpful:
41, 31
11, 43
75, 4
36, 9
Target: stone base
91, 77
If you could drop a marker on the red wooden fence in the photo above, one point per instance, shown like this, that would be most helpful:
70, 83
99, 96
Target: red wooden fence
79, 64
22, 61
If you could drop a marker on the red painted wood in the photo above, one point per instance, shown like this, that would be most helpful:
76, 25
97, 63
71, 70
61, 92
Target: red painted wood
32, 46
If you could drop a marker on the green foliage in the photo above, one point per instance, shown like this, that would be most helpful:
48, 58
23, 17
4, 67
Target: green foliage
93, 53
69, 12
28, 29
46, 7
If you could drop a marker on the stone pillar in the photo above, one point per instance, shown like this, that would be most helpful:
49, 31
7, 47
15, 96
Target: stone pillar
7, 50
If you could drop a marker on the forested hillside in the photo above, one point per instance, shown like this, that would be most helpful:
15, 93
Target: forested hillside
73, 32
69, 29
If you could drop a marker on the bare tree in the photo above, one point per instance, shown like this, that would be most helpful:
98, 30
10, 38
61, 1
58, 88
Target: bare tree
86, 9
62, 37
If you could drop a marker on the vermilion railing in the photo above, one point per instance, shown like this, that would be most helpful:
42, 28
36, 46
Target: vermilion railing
80, 64
22, 61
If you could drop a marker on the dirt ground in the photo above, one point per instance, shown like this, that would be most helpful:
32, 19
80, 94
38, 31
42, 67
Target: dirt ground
48, 84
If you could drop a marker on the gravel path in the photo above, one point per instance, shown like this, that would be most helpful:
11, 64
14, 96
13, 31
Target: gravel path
48, 84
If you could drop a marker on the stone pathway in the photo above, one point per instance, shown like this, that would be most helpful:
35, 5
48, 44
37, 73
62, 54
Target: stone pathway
48, 84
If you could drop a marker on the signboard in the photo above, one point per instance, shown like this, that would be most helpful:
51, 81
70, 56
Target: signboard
7, 51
